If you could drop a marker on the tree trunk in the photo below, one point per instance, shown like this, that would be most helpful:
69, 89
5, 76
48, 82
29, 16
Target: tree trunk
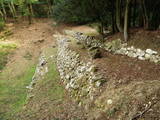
113, 19
3, 11
1, 14
134, 13
14, 9
118, 15
126, 21
102, 30
11, 9
49, 8
29, 14
146, 19
31, 9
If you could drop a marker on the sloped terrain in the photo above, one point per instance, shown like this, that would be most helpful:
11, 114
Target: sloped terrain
130, 88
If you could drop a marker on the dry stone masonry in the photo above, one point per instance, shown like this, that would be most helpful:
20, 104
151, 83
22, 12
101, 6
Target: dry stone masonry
41, 70
87, 41
79, 77
117, 47
147, 54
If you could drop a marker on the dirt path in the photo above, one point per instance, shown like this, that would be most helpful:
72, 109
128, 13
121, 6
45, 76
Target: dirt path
18, 72
50, 100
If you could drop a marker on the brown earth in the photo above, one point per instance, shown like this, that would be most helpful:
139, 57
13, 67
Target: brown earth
118, 70
124, 75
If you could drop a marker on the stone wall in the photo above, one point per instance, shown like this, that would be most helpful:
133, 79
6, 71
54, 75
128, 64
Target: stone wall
79, 77
117, 47
41, 70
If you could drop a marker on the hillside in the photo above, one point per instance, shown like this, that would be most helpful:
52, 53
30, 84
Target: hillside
52, 75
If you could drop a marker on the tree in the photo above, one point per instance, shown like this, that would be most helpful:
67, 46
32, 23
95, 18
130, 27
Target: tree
126, 20
118, 15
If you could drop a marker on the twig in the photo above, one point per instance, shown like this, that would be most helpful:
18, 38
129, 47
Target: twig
143, 112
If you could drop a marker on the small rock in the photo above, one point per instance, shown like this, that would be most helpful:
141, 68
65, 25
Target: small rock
147, 56
98, 83
131, 54
151, 52
109, 101
154, 59
141, 58
140, 53
67, 77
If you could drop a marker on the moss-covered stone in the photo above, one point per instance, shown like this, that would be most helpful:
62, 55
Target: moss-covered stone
114, 45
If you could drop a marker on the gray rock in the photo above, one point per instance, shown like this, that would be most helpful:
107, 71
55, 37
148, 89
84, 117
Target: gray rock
151, 52
154, 59
98, 83
132, 54
140, 53
141, 58
147, 56
121, 51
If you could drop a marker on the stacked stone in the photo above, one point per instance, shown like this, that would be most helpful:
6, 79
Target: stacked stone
78, 76
87, 41
147, 54
116, 47
41, 70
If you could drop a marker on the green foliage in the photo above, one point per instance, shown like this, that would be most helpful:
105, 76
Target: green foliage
71, 11
81, 11
2, 24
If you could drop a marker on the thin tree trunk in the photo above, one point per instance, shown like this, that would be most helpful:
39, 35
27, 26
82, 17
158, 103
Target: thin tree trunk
118, 15
11, 9
1, 14
49, 8
146, 19
102, 29
14, 10
126, 21
129, 16
141, 17
134, 13
4, 11
29, 14
31, 9
113, 17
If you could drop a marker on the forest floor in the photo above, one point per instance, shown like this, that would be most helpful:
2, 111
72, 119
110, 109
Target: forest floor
50, 100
